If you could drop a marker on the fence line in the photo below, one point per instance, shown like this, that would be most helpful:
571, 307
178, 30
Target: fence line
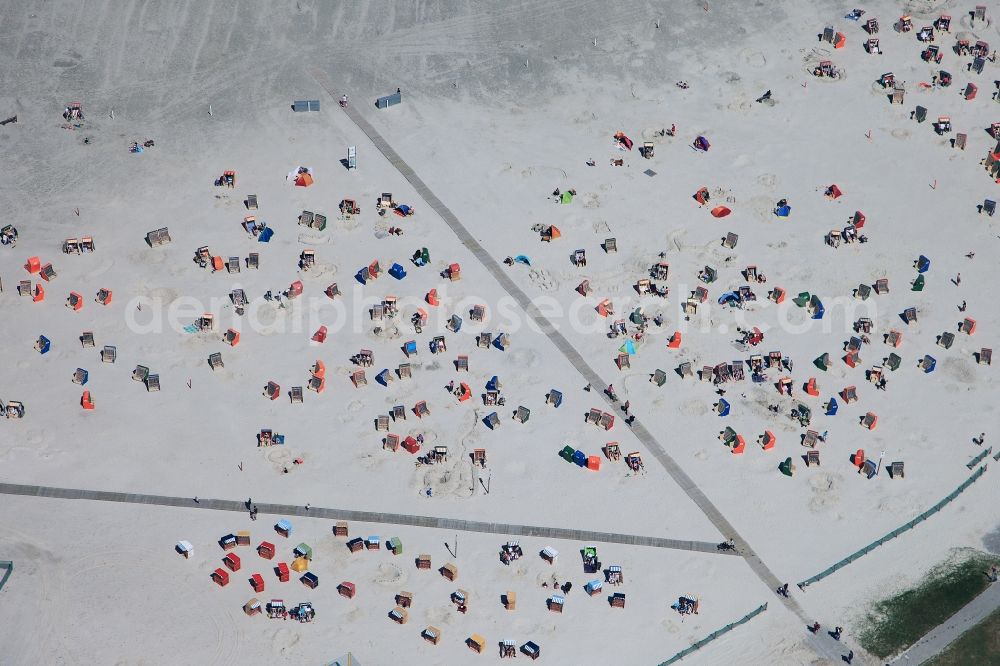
896, 532
975, 461
9, 566
715, 634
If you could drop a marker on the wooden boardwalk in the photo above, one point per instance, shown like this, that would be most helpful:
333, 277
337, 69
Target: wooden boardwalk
285, 510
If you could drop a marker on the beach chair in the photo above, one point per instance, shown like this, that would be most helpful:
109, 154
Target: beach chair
158, 237
449, 571
610, 245
295, 395
985, 356
359, 379
812, 458
421, 410
946, 339
152, 383
398, 413
554, 397
478, 457
522, 414
140, 373
531, 650
109, 354
896, 470
730, 240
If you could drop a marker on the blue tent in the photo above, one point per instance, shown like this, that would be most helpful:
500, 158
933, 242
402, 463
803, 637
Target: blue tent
627, 348
43, 345
362, 276
521, 259
783, 211
729, 297
832, 407
723, 407
403, 208
265, 236
397, 271
493, 384
923, 264
383, 377
817, 307
701, 143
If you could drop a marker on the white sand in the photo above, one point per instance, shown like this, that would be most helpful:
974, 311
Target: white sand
492, 138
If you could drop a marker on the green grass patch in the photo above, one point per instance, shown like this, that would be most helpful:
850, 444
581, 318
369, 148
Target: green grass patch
979, 645
898, 622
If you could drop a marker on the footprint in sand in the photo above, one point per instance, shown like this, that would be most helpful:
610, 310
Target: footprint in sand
543, 279
389, 574
283, 640
754, 59
900, 133
523, 358
767, 180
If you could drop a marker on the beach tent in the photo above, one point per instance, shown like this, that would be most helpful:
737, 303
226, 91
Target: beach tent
720, 211
397, 271
702, 196
832, 407
521, 259
403, 210
43, 344
783, 211
729, 297
701, 143
627, 348
566, 197
302, 176
816, 307
623, 140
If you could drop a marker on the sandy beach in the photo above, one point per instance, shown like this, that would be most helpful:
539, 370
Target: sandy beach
501, 105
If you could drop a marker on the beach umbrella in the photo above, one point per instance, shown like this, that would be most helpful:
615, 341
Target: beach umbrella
720, 211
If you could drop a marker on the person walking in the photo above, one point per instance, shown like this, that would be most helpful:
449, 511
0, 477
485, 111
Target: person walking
958, 279
628, 403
